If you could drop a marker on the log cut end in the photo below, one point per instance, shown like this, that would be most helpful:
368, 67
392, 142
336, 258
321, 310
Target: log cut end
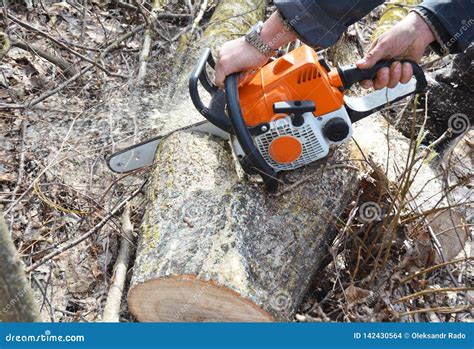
187, 299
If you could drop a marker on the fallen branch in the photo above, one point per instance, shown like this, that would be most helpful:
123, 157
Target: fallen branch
68, 69
60, 44
114, 298
145, 53
111, 47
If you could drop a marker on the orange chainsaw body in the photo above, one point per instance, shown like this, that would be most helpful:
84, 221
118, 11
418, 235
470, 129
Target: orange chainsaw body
297, 75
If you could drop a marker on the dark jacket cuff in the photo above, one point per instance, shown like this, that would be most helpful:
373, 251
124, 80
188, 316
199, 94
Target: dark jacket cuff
440, 34
320, 23
451, 22
322, 31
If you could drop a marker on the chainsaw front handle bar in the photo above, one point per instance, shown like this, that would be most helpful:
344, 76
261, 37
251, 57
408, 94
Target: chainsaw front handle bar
243, 135
200, 74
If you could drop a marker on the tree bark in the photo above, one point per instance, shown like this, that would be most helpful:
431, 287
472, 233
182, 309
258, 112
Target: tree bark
216, 248
17, 303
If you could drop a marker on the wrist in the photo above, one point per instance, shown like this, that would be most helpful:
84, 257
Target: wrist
423, 30
275, 34
252, 48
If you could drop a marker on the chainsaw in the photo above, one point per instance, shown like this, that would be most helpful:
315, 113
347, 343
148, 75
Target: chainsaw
282, 116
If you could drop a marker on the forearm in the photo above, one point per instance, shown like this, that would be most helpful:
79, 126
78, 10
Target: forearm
275, 33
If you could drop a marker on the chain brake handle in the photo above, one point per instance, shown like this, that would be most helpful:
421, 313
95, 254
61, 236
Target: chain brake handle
361, 107
200, 74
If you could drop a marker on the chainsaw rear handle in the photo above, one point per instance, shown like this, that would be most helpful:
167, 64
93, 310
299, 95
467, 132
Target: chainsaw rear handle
200, 74
243, 135
361, 107
350, 74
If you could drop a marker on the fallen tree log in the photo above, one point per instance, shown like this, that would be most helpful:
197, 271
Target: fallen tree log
216, 248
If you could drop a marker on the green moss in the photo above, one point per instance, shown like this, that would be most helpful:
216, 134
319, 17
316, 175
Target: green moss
150, 236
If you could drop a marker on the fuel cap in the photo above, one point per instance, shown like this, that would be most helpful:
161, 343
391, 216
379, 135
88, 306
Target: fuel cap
336, 129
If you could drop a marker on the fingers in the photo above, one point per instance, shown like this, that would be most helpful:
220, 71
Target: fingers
390, 77
407, 73
395, 74
220, 76
382, 79
367, 84
375, 54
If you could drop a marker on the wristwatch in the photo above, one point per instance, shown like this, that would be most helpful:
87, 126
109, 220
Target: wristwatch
253, 38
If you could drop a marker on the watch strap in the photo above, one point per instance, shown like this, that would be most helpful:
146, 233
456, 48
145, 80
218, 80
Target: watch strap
253, 38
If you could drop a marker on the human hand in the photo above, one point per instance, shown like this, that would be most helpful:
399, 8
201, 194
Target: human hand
408, 39
236, 56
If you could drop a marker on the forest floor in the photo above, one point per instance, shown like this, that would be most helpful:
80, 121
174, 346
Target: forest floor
58, 124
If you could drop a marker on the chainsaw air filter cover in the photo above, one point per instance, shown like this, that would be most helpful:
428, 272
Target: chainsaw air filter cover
309, 140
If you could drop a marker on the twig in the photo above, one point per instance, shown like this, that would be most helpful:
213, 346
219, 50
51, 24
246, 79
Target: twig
145, 53
21, 168
434, 267
126, 5
199, 17
427, 151
444, 310
163, 15
140, 9
86, 235
84, 22
45, 297
438, 290
114, 298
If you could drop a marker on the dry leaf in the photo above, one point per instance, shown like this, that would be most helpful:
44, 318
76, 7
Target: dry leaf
355, 294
